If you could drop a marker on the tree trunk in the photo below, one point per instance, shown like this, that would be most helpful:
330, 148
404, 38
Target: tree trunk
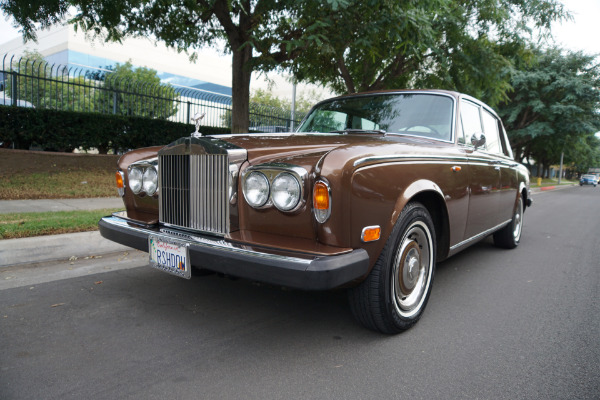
240, 88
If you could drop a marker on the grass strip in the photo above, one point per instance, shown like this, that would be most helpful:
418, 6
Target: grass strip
58, 185
21, 225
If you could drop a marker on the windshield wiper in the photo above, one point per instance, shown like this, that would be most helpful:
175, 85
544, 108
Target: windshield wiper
347, 131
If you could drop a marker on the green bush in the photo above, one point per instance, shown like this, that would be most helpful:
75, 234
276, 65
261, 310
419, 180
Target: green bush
67, 130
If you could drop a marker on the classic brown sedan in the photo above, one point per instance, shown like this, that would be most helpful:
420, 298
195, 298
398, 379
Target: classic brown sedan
368, 194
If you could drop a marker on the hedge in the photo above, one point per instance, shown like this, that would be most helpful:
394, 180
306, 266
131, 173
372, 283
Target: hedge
67, 130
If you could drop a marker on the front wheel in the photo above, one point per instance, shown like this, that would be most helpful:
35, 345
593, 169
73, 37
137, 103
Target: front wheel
509, 237
393, 296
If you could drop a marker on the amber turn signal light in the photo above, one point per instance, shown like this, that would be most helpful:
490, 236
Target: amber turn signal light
321, 196
370, 233
120, 177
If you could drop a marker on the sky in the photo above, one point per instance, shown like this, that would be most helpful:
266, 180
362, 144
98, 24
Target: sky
580, 34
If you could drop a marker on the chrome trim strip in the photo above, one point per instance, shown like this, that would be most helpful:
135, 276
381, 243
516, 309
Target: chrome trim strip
479, 236
219, 244
403, 157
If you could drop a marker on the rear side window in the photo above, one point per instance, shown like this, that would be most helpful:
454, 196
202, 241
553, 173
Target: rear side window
492, 134
471, 121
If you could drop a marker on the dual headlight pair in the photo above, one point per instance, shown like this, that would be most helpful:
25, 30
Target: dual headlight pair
143, 178
281, 188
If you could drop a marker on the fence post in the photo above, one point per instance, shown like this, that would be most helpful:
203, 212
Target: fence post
114, 102
15, 88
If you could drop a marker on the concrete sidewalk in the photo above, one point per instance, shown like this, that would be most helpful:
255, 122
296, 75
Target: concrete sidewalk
25, 206
56, 247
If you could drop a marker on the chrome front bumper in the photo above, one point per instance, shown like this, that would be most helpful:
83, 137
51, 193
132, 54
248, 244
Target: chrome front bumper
278, 267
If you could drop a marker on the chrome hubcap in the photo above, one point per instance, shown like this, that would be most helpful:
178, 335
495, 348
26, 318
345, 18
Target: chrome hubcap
412, 269
518, 221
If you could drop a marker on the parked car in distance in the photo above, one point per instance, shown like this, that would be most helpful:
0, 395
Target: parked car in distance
367, 195
588, 179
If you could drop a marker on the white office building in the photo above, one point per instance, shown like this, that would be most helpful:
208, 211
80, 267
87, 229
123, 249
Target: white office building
78, 50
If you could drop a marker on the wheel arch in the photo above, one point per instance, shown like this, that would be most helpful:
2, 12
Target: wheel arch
524, 193
430, 195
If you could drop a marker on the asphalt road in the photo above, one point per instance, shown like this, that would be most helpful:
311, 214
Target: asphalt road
500, 324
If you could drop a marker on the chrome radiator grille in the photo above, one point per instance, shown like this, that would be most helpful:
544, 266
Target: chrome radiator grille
193, 191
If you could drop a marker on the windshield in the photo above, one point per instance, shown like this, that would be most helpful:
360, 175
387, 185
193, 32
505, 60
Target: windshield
418, 114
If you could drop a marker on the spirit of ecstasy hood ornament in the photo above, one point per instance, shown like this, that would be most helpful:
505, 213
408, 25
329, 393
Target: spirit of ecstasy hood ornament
197, 118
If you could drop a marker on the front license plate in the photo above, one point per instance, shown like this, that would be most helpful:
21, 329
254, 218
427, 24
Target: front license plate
170, 255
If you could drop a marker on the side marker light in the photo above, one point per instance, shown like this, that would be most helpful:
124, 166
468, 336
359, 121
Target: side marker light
370, 233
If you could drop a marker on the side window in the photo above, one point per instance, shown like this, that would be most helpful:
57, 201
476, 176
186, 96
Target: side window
492, 135
361, 123
471, 121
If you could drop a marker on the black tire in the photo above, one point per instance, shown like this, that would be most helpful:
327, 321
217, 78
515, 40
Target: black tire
393, 296
509, 237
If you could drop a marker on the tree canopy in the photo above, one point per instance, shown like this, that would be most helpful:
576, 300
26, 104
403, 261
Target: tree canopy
554, 107
459, 45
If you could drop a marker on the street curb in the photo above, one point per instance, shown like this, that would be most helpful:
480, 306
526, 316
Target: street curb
55, 247
551, 188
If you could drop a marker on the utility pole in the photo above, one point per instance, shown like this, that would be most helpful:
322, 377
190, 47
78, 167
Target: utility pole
293, 105
561, 167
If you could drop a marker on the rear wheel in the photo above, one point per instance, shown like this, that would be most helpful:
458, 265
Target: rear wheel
393, 296
509, 237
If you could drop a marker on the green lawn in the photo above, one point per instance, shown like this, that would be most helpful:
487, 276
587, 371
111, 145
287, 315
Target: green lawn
19, 225
58, 185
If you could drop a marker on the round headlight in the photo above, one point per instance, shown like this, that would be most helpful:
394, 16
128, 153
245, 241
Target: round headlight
285, 191
256, 189
135, 179
150, 181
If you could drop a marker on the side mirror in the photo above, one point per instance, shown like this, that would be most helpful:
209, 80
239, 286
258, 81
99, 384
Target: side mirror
478, 140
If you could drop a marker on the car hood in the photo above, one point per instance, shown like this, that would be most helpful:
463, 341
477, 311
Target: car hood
335, 151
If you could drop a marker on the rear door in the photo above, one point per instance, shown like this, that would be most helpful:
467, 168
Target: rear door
484, 173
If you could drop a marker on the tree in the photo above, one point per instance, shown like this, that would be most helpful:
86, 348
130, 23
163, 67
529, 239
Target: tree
135, 91
256, 32
554, 107
268, 111
450, 44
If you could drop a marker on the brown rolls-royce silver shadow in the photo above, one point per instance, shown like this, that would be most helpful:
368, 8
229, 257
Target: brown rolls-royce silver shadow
367, 195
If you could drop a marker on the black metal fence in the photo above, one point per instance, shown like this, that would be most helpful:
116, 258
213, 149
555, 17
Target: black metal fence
36, 83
